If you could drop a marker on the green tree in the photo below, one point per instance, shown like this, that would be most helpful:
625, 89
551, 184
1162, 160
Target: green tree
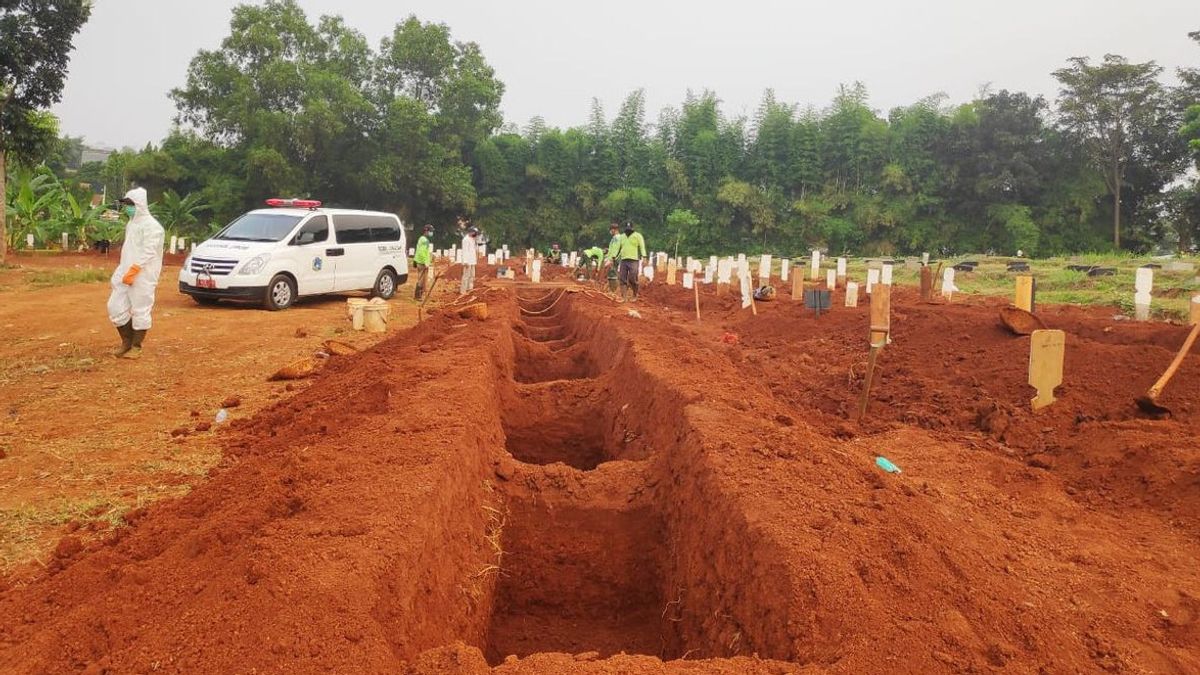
34, 54
1106, 106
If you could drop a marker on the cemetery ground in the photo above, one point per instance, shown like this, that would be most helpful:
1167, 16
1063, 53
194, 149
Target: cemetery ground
566, 486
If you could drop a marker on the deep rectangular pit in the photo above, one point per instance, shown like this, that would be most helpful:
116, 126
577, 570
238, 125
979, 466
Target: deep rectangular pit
578, 578
559, 421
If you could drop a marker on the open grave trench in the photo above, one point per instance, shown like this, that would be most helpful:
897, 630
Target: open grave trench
601, 550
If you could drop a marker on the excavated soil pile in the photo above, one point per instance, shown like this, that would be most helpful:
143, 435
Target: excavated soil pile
567, 488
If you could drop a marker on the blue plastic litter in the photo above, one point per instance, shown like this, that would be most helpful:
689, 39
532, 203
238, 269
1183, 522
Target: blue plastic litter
886, 464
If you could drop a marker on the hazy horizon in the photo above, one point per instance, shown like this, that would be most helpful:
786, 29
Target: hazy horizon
554, 58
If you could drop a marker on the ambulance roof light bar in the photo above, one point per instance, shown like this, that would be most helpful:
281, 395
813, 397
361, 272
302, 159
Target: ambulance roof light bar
294, 203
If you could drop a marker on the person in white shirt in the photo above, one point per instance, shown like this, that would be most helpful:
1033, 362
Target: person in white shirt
469, 252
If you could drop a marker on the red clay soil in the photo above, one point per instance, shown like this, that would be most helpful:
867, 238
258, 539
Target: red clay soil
473, 496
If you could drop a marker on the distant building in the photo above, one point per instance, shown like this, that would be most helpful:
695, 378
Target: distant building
95, 155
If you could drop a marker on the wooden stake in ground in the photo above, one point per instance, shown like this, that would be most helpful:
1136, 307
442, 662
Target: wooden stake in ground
696, 292
1046, 348
1023, 296
926, 283
881, 304
428, 294
1195, 313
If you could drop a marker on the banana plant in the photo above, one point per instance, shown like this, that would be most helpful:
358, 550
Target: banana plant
30, 207
77, 218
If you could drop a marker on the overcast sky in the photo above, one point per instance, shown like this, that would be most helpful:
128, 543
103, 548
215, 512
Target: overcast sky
555, 55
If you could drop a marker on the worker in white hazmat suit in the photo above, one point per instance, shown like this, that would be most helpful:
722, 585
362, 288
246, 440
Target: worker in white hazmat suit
134, 280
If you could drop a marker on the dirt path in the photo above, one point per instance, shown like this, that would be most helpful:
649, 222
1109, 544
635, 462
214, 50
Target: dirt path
85, 437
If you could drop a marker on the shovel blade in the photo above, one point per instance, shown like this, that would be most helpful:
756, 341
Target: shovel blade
1151, 408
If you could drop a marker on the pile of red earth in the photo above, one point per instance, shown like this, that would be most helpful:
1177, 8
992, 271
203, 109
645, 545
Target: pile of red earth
566, 487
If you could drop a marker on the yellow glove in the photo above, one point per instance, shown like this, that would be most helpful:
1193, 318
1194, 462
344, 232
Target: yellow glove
130, 275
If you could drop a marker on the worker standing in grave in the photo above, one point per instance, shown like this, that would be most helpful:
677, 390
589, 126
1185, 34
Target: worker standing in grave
612, 259
633, 249
136, 277
422, 259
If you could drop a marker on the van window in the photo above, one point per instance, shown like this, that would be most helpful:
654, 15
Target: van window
362, 228
352, 229
316, 230
385, 229
258, 226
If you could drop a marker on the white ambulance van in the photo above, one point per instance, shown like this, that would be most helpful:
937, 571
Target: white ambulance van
294, 249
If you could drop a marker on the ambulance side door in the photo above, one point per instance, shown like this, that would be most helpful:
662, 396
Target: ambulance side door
316, 266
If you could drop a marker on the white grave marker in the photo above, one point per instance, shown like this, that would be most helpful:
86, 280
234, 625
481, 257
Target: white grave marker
688, 279
648, 270
784, 264
747, 291
537, 272
841, 267
491, 259
924, 259
852, 294
724, 271
29, 241
872, 279
948, 287
708, 274
885, 277
815, 265
764, 268
830, 279
66, 242
565, 259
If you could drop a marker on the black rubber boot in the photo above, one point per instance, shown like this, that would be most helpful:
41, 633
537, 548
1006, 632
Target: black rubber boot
135, 349
126, 333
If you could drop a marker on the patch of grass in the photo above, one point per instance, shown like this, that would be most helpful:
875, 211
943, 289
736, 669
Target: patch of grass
66, 277
23, 528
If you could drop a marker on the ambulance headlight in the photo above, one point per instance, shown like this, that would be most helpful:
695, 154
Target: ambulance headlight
255, 264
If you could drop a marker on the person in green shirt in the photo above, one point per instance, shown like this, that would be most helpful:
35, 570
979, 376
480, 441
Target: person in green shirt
611, 259
422, 259
632, 249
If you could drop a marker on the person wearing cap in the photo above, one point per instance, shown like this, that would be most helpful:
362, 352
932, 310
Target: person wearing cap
422, 259
136, 277
469, 255
633, 249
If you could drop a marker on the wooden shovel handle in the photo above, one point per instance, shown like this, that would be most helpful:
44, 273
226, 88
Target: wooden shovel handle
1183, 351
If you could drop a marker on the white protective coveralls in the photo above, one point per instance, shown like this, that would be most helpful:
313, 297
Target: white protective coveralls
469, 258
143, 247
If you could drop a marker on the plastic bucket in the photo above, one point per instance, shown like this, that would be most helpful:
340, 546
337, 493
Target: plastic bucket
375, 318
354, 311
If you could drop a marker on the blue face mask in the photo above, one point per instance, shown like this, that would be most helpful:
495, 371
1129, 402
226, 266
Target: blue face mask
130, 211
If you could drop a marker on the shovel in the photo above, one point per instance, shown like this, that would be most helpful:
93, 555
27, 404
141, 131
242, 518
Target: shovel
1019, 321
1149, 402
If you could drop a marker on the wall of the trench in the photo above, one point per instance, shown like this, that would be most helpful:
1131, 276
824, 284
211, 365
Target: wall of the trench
720, 590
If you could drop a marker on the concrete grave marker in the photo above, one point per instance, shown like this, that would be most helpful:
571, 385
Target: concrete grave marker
885, 275
688, 279
1143, 284
831, 279
924, 259
815, 266
648, 271
764, 268
841, 271
708, 274
66, 242
29, 240
784, 265
537, 272
491, 259
747, 290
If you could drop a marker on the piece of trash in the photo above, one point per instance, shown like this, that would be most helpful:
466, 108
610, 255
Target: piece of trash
886, 464
634, 314
222, 415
